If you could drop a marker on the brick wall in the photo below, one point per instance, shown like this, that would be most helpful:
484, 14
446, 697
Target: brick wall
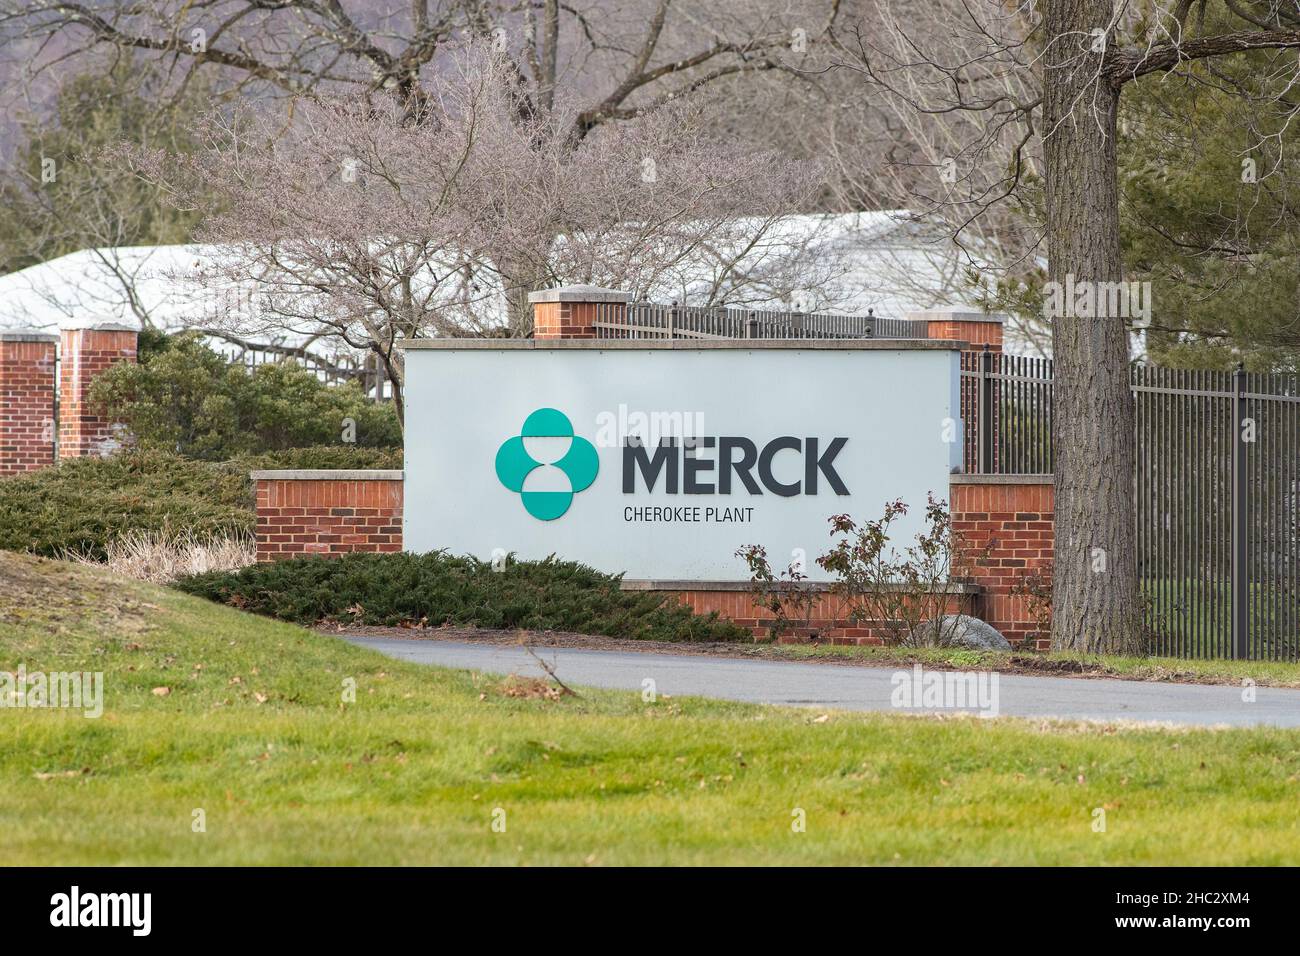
1007, 517
86, 352
957, 325
333, 512
327, 512
563, 320
27, 360
570, 311
1010, 518
828, 620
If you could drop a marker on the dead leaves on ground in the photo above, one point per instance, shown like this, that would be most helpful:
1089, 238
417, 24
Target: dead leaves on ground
530, 688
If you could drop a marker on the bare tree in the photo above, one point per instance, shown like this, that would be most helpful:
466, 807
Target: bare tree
352, 222
1092, 48
1081, 54
605, 64
620, 58
956, 156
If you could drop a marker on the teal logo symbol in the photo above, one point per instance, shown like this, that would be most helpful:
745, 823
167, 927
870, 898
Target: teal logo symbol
579, 463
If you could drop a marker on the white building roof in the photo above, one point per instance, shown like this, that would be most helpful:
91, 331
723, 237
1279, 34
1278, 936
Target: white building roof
862, 261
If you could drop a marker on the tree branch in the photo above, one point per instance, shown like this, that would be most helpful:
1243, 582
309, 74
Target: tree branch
1124, 65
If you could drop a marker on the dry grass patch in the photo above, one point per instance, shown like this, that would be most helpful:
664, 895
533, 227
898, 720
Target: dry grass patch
530, 688
161, 557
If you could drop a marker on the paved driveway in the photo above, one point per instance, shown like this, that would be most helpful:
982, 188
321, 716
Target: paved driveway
862, 688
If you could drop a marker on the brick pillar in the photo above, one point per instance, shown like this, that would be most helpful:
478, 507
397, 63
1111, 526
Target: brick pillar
86, 351
571, 311
976, 329
1010, 522
27, 361
961, 325
327, 512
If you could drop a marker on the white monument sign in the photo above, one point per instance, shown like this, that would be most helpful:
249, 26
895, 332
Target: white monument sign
660, 459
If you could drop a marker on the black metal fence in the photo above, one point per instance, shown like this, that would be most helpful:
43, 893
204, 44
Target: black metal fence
332, 370
1006, 403
636, 320
1217, 493
648, 320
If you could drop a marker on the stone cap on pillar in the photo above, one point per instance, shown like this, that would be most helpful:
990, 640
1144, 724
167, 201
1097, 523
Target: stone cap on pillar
327, 474
956, 314
97, 325
27, 335
579, 293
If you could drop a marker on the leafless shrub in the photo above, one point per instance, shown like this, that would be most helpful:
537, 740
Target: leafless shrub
903, 591
906, 591
530, 684
787, 595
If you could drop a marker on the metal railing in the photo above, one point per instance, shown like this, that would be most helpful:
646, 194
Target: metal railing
1216, 492
1006, 403
332, 370
648, 320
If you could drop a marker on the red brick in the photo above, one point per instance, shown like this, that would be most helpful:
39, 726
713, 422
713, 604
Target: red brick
26, 405
85, 353
325, 516
1014, 521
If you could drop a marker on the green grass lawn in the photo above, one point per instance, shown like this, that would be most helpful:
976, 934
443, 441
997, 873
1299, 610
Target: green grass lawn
254, 733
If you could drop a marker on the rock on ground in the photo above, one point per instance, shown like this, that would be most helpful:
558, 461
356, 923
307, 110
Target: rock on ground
962, 631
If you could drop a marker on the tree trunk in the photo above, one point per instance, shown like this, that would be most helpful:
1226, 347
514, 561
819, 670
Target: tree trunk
1094, 592
519, 279
395, 371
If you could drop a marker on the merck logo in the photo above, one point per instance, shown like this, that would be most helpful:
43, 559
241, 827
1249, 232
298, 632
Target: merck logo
547, 441
738, 460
